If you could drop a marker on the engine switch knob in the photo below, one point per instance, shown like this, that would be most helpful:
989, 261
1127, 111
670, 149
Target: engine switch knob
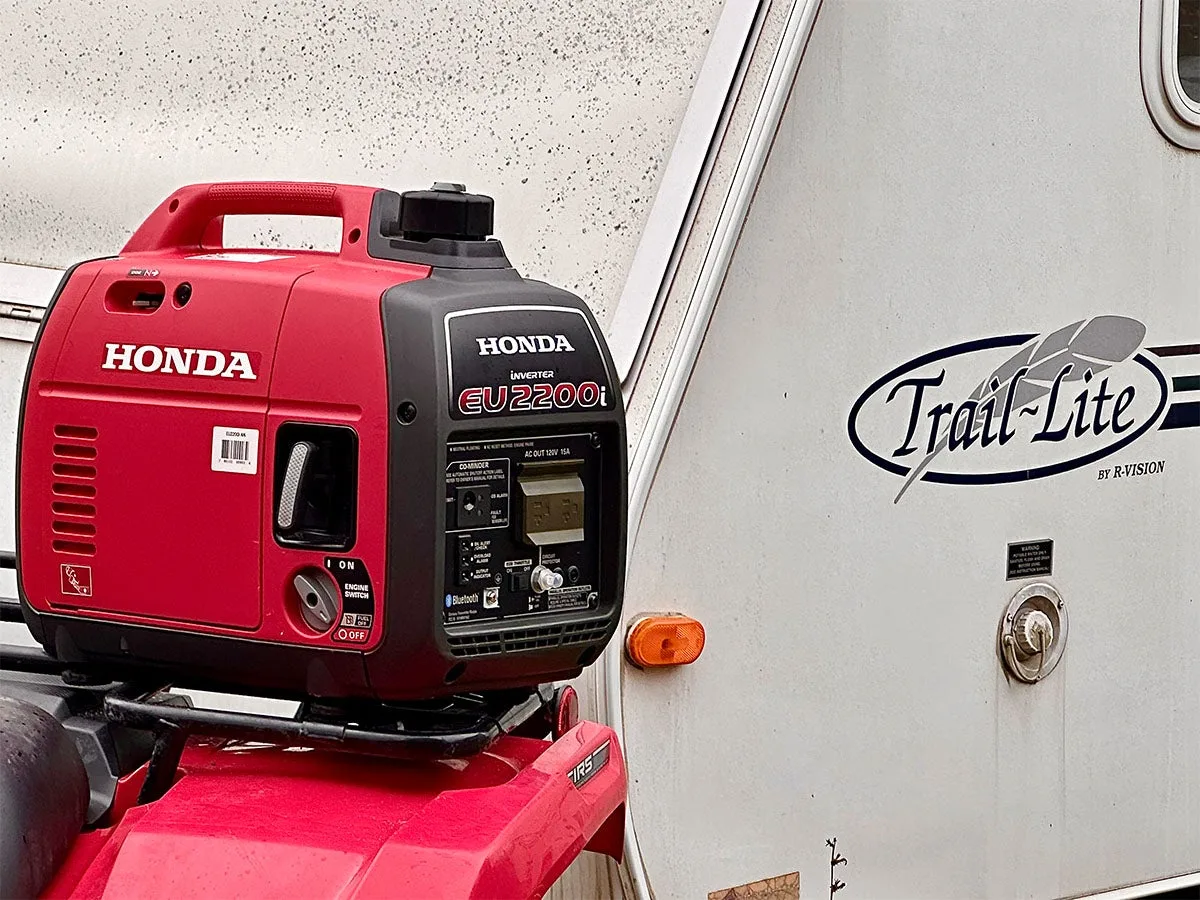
543, 579
319, 606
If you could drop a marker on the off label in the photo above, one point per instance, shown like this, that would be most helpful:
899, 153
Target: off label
358, 599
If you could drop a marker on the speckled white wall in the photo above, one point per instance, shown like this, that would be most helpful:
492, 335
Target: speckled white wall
563, 111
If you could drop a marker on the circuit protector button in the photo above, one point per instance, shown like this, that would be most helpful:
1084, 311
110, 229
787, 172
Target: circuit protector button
551, 503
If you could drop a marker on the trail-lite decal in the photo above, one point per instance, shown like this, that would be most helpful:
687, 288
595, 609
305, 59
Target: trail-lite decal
1050, 404
1133, 470
1185, 413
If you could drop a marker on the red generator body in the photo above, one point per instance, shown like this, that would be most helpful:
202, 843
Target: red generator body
396, 471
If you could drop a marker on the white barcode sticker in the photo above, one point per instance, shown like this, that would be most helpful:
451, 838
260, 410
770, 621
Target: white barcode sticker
235, 450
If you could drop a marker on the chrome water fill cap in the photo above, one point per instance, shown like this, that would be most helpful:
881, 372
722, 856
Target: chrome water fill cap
1033, 632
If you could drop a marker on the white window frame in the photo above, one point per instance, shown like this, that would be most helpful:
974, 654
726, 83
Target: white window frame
682, 182
1175, 113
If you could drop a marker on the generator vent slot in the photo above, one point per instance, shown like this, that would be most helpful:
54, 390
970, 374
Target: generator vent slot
584, 632
77, 529
75, 445
524, 639
74, 451
476, 644
66, 489
76, 548
67, 470
86, 510
76, 432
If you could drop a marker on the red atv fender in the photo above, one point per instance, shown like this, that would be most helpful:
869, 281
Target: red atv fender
259, 820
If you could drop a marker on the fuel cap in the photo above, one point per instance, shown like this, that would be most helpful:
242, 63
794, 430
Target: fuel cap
445, 211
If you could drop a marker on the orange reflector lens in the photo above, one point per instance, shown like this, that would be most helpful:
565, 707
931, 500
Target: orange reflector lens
655, 641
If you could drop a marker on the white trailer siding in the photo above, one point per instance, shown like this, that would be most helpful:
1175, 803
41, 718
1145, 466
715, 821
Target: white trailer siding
944, 172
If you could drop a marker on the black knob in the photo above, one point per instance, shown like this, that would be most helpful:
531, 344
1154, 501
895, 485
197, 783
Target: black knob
445, 211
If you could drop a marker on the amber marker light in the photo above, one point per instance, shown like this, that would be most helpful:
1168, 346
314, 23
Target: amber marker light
656, 641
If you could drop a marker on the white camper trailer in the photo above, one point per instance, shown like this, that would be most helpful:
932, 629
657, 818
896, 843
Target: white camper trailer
909, 319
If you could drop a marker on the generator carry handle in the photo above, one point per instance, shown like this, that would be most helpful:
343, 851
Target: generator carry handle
192, 217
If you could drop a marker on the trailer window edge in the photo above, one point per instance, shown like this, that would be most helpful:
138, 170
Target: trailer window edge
1174, 113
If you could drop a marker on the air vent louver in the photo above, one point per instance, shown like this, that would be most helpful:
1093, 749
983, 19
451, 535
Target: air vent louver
523, 639
74, 468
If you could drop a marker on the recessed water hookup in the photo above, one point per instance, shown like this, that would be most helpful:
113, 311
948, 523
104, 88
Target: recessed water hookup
1033, 632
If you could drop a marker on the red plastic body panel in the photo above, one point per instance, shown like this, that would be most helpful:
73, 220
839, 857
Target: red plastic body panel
253, 821
117, 479
332, 370
152, 445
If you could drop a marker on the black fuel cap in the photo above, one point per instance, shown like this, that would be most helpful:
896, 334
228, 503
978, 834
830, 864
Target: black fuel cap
445, 211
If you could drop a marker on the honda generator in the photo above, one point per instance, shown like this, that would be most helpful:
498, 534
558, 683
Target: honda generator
396, 471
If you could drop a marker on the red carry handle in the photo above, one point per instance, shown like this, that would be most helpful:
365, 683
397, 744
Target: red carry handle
191, 218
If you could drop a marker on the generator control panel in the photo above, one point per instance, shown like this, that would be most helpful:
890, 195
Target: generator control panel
522, 527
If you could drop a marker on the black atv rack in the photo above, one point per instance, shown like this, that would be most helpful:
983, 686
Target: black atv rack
447, 728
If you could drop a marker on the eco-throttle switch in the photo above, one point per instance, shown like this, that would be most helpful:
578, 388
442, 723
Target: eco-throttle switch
551, 503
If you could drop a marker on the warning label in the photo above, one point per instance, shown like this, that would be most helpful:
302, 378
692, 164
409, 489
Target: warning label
1030, 559
577, 596
477, 493
76, 580
477, 471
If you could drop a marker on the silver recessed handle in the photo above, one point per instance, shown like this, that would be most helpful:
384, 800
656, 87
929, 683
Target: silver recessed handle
293, 479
